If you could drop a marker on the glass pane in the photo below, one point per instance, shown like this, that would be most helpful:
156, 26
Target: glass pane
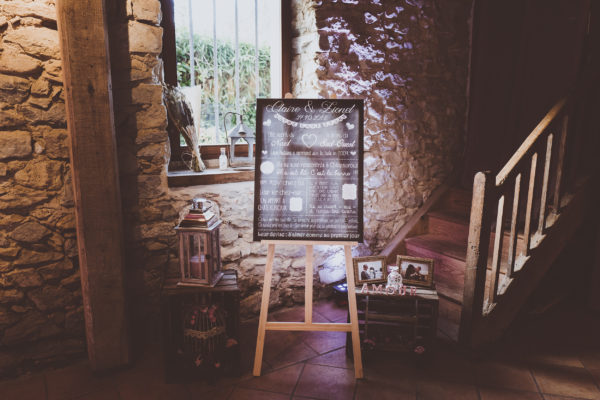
224, 100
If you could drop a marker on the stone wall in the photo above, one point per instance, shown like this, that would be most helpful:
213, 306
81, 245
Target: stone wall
41, 318
408, 61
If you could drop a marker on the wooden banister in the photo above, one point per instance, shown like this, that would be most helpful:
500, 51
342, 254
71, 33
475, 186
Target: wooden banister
560, 160
477, 254
525, 148
491, 197
529, 207
497, 254
544, 195
512, 244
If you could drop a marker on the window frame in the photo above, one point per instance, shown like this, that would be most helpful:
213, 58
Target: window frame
212, 151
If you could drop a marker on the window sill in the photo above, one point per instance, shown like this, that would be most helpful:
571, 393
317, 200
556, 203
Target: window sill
210, 176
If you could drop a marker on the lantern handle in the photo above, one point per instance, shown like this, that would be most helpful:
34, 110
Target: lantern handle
225, 119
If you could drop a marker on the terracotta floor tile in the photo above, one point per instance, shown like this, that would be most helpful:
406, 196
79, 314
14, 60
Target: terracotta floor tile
295, 314
552, 397
368, 389
281, 381
450, 365
326, 383
566, 381
392, 369
555, 357
324, 342
75, 381
292, 354
24, 388
504, 394
505, 375
336, 358
277, 342
250, 394
221, 392
437, 390
590, 358
331, 310
103, 394
153, 391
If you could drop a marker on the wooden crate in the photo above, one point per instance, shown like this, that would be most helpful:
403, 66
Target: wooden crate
396, 323
177, 300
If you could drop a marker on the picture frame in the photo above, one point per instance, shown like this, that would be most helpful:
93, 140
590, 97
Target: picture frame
371, 269
420, 271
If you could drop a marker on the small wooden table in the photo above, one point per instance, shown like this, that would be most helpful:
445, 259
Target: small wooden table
397, 322
226, 293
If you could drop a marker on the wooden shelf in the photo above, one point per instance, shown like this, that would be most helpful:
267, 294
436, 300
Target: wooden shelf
210, 176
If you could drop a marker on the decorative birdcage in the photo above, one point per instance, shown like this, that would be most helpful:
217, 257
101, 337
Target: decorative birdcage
204, 333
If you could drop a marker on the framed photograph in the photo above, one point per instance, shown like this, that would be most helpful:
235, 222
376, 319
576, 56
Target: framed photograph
416, 271
369, 270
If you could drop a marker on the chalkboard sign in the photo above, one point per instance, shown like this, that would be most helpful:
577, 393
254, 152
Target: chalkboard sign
309, 170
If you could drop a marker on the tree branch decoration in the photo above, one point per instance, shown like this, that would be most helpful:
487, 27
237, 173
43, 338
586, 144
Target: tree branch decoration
181, 118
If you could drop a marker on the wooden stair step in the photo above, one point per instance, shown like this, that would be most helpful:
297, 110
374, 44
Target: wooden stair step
457, 201
448, 224
437, 245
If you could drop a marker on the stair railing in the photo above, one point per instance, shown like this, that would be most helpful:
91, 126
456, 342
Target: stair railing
492, 195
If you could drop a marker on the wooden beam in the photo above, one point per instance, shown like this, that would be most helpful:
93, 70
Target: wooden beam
87, 85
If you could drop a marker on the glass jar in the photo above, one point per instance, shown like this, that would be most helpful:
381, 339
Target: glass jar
223, 159
394, 279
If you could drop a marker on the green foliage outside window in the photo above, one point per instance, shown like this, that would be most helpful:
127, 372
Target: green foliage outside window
203, 65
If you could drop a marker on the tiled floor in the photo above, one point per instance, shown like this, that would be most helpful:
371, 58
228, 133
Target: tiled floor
551, 358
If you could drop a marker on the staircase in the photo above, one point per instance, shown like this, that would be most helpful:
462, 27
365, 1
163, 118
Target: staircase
492, 245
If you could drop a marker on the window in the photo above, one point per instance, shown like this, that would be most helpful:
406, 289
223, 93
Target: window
240, 48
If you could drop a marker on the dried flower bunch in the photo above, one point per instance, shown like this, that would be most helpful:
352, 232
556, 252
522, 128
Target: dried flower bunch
180, 116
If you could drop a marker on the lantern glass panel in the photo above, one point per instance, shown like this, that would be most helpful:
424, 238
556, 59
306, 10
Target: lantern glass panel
195, 267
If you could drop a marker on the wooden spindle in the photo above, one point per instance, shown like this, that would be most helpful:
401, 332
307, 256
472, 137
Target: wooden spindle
512, 244
529, 208
544, 196
497, 254
477, 255
560, 160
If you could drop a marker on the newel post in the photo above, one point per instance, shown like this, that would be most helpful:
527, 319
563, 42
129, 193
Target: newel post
477, 255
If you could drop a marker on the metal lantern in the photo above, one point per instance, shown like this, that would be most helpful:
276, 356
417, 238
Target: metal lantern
240, 132
199, 246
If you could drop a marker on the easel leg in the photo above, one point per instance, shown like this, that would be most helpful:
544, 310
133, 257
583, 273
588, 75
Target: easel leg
308, 285
264, 311
358, 368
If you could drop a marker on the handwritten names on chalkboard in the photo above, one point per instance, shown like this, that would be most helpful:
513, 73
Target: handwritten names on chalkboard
308, 179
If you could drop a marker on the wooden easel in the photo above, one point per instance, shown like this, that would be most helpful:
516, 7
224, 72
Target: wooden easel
308, 325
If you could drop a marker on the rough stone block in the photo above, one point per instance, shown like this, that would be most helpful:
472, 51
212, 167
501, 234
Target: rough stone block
57, 145
15, 144
29, 232
147, 10
146, 93
13, 90
13, 61
41, 175
39, 42
35, 9
32, 257
24, 278
144, 38
41, 87
50, 297
32, 326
